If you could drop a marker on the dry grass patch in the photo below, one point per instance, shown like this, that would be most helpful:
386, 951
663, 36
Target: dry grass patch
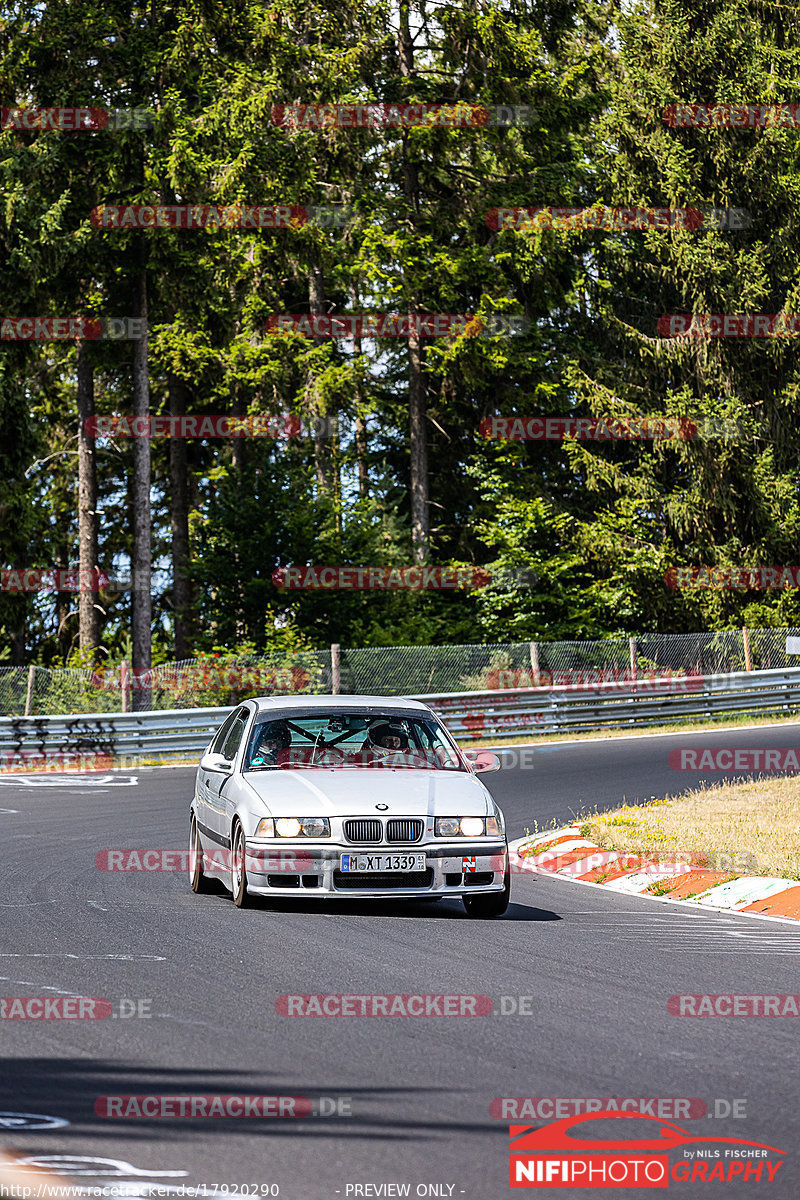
751, 828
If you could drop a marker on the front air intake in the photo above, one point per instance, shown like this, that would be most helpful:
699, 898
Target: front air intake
366, 831
404, 829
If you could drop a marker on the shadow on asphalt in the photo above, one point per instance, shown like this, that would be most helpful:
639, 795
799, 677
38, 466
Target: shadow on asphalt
447, 908
69, 1087
526, 912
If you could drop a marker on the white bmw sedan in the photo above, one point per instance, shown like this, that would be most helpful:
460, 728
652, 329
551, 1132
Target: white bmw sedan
346, 796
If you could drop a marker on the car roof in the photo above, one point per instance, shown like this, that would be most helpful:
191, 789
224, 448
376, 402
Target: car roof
385, 704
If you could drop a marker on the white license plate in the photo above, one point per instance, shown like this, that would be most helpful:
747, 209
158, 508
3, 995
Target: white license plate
392, 863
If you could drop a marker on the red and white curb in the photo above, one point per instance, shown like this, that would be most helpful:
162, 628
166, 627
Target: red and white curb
567, 854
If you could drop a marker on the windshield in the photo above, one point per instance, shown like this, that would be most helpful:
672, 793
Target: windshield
356, 740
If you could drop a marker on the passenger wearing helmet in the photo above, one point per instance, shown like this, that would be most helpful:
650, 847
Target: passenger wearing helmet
272, 738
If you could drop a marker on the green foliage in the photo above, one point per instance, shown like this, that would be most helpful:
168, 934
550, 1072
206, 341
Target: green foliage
576, 536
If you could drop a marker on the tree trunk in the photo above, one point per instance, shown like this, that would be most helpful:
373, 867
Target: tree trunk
418, 437
361, 424
183, 615
18, 636
141, 568
238, 449
361, 458
88, 615
417, 394
64, 607
322, 446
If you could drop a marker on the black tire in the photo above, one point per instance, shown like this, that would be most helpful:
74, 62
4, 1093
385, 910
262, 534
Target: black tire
491, 904
198, 879
241, 896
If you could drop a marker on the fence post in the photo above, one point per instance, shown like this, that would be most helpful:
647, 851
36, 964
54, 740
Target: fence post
124, 683
748, 662
534, 648
632, 649
29, 692
335, 669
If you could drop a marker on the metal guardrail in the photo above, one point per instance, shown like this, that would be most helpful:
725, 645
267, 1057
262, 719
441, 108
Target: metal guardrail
468, 715
583, 707
114, 735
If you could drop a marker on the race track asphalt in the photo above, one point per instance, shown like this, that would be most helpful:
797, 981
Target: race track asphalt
596, 969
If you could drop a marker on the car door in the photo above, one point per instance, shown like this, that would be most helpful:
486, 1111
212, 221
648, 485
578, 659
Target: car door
203, 810
209, 783
220, 779
235, 745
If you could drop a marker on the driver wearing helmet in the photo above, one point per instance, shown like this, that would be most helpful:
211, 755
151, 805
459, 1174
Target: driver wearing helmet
271, 739
388, 735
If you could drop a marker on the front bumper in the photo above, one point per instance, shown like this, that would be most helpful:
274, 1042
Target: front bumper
313, 870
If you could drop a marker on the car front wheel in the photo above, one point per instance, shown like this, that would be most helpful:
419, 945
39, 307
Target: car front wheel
241, 896
492, 904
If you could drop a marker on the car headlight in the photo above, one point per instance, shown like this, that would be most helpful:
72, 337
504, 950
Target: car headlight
459, 826
294, 827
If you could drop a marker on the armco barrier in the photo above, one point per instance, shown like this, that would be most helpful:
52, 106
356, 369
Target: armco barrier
583, 707
468, 715
141, 734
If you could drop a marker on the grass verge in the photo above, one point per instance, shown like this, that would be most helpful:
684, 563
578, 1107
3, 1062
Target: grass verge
749, 828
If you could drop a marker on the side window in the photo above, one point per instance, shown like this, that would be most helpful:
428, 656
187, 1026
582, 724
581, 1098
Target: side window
231, 743
222, 733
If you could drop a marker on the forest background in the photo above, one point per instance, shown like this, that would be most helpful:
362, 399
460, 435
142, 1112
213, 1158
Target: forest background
392, 468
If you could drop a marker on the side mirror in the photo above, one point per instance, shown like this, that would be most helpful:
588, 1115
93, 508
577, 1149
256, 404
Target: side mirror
215, 762
482, 761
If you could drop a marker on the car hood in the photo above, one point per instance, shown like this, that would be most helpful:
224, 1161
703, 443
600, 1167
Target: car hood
406, 792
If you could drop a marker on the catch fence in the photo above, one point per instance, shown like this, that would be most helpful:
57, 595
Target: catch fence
393, 670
